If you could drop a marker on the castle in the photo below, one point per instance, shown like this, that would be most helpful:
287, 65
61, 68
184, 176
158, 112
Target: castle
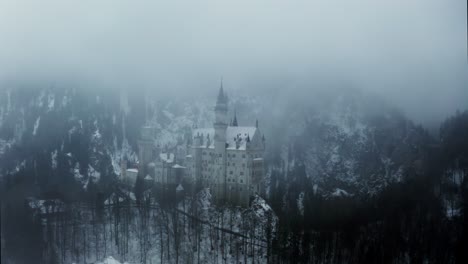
227, 159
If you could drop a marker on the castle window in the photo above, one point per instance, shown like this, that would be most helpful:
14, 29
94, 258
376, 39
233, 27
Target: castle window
228, 163
241, 181
243, 155
233, 155
230, 172
241, 173
243, 165
220, 155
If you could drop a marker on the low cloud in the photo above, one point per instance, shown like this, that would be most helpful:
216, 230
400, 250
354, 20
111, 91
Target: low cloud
411, 52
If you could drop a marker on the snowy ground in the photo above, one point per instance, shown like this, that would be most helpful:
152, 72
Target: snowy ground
111, 260
195, 231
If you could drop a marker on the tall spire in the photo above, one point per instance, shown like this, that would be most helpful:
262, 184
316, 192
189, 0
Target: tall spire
222, 96
222, 101
146, 107
234, 122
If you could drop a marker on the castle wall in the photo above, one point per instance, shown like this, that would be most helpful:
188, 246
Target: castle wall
232, 177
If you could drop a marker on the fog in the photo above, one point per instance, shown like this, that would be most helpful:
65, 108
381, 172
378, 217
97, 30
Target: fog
412, 52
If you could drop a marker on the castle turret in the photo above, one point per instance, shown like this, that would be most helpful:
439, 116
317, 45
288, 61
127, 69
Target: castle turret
145, 146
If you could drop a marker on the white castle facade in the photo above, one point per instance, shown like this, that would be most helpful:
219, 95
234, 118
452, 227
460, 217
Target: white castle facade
227, 159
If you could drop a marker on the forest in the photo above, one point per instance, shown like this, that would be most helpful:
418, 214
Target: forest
56, 209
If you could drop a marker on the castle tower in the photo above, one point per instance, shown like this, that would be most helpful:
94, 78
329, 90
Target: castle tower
221, 121
220, 127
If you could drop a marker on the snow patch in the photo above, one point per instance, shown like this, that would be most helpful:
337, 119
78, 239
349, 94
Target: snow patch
204, 199
36, 125
71, 131
49, 206
315, 189
125, 153
110, 260
76, 171
64, 101
97, 135
4, 146
340, 193
53, 158
19, 166
260, 207
452, 212
179, 188
300, 203
94, 174
50, 102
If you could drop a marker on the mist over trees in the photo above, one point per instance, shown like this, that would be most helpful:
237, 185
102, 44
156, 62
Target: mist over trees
345, 184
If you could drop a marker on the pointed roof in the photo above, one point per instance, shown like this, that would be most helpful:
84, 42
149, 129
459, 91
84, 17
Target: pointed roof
222, 97
221, 92
234, 122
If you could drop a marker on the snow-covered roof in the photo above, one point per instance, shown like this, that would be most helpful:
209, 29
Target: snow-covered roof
132, 170
258, 159
340, 193
233, 134
177, 166
168, 158
240, 135
148, 178
179, 188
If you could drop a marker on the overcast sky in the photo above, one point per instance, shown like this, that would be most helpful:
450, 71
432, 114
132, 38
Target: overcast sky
413, 52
